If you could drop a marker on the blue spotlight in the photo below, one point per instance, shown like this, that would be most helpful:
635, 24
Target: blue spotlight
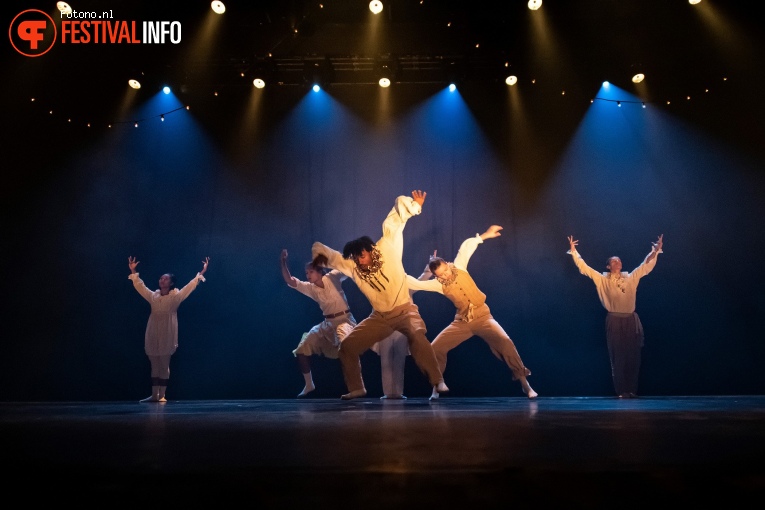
166, 89
606, 84
452, 87
316, 88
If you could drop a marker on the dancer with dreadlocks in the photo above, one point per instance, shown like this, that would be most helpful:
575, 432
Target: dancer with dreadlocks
378, 271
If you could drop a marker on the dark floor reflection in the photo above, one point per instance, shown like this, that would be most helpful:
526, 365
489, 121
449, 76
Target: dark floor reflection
367, 453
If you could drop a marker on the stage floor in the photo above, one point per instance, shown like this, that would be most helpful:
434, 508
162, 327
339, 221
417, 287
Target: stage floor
581, 452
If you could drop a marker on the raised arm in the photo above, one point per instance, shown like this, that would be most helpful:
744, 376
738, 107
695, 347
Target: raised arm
572, 243
655, 248
288, 279
393, 224
492, 231
324, 256
650, 260
137, 282
579, 261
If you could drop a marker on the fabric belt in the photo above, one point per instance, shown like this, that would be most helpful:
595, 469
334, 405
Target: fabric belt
338, 314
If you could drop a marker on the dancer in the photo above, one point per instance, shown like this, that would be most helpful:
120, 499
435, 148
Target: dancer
324, 287
378, 271
161, 338
393, 351
473, 317
617, 291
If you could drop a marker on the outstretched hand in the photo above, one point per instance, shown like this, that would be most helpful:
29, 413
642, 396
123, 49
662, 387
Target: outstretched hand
419, 196
284, 255
132, 263
204, 265
658, 244
492, 231
572, 242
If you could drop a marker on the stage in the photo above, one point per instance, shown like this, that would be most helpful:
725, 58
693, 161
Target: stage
551, 452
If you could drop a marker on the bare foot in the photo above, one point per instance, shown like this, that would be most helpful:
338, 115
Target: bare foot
354, 394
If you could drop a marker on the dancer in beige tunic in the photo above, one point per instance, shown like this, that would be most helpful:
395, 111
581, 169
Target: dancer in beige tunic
617, 291
161, 338
378, 271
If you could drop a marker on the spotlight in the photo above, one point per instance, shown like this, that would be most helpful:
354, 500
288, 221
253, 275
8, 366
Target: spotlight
316, 88
511, 80
64, 8
638, 72
134, 84
375, 6
452, 87
162, 117
535, 4
386, 72
694, 2
619, 104
166, 89
262, 72
218, 7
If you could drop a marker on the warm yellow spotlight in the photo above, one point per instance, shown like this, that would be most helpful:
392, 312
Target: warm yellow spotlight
64, 7
694, 2
535, 4
259, 84
511, 80
218, 7
375, 6
638, 78
384, 82
134, 84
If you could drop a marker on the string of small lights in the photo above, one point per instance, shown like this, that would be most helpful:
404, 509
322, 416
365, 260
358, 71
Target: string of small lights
71, 119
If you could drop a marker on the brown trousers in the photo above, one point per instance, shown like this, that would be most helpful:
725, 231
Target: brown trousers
405, 319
